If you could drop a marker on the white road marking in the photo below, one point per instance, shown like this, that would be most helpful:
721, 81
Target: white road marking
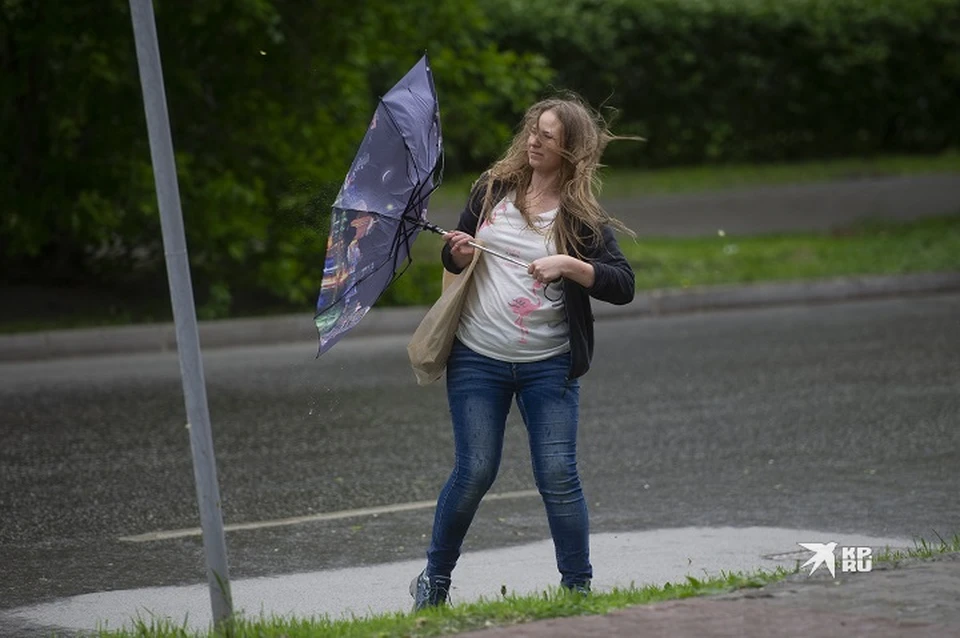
313, 518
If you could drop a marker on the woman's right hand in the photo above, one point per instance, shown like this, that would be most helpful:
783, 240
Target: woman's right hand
460, 248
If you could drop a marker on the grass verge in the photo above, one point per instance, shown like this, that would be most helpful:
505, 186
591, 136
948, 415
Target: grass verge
923, 549
865, 248
508, 610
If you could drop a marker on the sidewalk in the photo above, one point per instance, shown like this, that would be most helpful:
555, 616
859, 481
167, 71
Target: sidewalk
909, 598
394, 321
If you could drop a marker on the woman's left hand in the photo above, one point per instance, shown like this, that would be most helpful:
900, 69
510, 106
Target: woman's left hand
552, 268
547, 269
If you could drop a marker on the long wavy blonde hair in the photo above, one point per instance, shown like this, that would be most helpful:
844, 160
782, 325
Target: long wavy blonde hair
584, 137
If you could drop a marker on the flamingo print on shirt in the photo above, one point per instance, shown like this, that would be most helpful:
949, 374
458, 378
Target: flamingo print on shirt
522, 307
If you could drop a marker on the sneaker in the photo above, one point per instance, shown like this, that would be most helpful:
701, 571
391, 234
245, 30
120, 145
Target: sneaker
582, 589
428, 592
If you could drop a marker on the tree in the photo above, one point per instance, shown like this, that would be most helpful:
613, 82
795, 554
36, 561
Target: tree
268, 102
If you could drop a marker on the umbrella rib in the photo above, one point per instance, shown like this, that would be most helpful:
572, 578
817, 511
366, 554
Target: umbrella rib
418, 196
396, 125
411, 157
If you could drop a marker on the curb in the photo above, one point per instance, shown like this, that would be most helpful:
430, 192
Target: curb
393, 321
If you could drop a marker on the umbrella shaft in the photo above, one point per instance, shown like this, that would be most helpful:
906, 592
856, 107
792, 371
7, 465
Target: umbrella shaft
436, 229
495, 253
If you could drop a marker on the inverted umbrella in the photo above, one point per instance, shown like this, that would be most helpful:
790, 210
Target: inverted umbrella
382, 205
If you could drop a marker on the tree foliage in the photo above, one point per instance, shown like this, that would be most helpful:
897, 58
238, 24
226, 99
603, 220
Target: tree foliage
754, 80
268, 102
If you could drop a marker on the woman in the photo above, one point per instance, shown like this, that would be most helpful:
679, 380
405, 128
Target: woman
528, 333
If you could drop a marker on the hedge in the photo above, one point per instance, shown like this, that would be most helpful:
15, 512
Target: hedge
753, 80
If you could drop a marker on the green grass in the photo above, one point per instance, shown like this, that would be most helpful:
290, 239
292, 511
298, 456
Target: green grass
923, 549
624, 183
508, 610
865, 248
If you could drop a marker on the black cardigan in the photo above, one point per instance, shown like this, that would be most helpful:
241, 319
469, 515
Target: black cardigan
613, 278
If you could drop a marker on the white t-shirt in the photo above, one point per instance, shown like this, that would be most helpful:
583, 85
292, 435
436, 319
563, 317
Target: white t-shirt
508, 315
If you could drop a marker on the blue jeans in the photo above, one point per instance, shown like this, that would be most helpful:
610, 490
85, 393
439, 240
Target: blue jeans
480, 391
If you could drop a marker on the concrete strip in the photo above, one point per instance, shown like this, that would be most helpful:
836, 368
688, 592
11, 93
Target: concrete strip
818, 291
299, 328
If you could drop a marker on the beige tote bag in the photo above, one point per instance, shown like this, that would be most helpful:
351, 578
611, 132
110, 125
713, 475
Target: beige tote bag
430, 345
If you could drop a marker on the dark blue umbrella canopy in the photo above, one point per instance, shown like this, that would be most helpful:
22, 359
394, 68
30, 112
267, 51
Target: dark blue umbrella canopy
382, 204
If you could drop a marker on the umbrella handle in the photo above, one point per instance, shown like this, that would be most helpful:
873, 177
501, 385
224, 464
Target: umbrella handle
436, 229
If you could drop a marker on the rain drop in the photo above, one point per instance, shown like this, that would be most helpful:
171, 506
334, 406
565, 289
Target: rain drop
387, 174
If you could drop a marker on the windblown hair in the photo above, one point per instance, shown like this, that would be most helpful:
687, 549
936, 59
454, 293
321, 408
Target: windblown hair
584, 137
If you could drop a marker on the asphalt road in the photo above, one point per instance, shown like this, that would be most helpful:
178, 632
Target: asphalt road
763, 210
841, 418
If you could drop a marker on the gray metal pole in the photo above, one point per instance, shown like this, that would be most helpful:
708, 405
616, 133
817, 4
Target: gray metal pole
184, 312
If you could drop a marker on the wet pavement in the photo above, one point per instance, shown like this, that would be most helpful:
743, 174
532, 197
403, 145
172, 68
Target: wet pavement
838, 418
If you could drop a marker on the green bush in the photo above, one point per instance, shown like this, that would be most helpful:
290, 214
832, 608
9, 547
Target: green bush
753, 80
419, 285
268, 103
